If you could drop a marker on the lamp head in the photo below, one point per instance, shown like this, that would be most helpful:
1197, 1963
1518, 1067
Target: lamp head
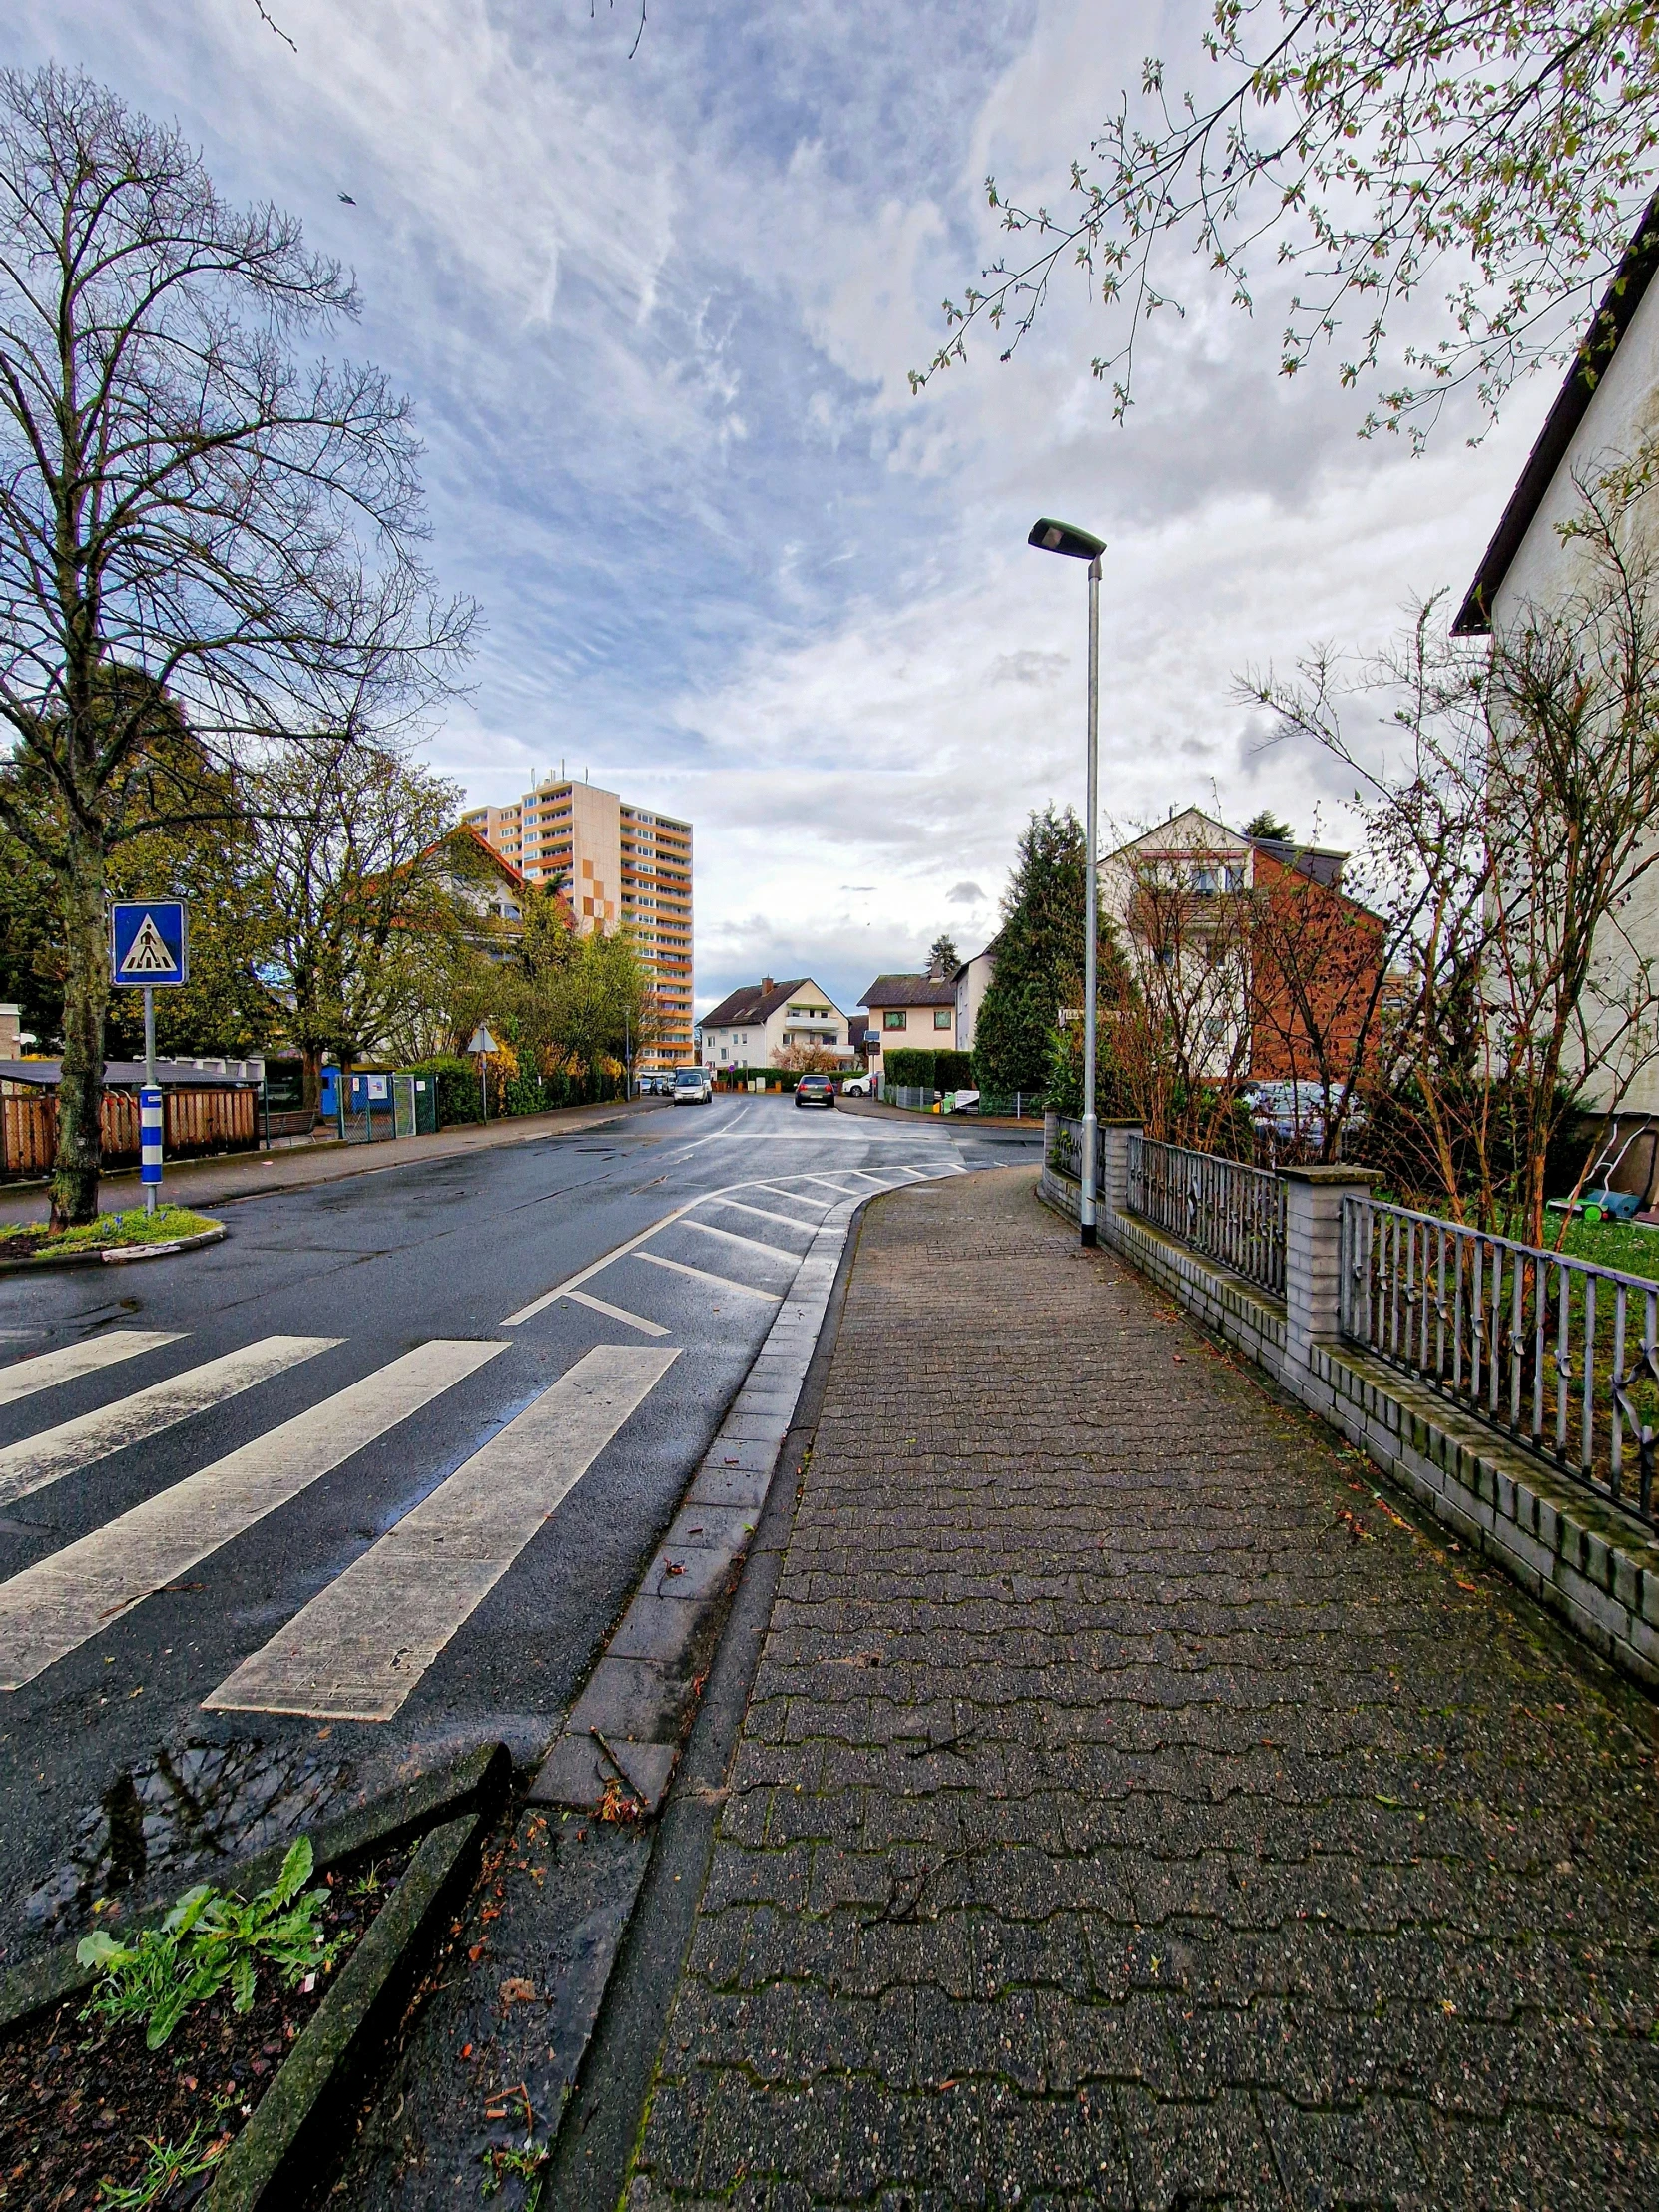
1049, 536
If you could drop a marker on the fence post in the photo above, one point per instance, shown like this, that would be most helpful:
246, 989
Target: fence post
1114, 1166
1313, 1253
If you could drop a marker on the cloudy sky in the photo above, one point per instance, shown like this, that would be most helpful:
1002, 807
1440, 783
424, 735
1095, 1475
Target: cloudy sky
657, 317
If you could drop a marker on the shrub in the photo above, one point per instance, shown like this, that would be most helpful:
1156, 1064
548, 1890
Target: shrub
909, 1069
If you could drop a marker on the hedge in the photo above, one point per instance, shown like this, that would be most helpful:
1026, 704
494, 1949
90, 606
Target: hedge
522, 1092
909, 1069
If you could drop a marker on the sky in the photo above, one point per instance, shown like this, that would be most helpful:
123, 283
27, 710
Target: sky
656, 314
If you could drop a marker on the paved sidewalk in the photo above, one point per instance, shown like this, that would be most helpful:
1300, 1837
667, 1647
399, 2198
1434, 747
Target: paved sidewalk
1134, 1809
233, 1175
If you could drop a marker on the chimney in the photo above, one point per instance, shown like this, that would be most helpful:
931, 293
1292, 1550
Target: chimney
766, 984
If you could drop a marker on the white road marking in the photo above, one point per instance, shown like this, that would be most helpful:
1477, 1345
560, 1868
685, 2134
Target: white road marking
51, 1608
360, 1646
784, 1221
616, 1313
571, 1282
38, 1460
702, 1275
47, 1369
829, 1182
736, 1237
801, 1198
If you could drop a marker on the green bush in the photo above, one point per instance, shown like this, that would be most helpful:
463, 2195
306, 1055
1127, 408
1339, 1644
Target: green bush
456, 1083
909, 1069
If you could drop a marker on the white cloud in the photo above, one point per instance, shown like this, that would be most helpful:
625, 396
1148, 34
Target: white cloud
657, 315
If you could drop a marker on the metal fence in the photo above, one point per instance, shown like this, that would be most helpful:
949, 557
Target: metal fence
1560, 1354
1229, 1211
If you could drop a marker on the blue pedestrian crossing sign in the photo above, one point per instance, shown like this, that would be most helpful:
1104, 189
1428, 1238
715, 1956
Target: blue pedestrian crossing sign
150, 942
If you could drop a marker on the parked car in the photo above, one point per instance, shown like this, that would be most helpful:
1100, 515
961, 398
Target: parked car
858, 1086
1293, 1113
815, 1090
693, 1087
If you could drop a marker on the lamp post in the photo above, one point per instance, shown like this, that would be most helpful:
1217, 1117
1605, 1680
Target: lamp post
1082, 545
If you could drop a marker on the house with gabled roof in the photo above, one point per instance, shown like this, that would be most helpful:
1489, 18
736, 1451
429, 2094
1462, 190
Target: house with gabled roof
756, 1025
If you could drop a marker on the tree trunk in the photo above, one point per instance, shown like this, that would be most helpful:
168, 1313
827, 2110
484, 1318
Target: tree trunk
86, 999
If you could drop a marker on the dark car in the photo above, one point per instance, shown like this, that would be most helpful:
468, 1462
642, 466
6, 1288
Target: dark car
815, 1090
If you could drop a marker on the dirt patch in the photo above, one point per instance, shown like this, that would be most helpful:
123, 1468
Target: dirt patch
83, 2105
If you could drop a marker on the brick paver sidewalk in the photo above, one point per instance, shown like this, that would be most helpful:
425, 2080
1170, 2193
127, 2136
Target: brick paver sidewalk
1132, 1810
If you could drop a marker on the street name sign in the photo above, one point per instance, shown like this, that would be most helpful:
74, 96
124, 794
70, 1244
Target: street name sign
150, 943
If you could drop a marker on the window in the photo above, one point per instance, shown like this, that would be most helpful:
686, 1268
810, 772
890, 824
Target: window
894, 1019
943, 1018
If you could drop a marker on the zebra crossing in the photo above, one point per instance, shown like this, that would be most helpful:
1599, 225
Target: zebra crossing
358, 1647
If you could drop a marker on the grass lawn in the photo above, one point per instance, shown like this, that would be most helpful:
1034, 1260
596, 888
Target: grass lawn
33, 1240
1624, 1245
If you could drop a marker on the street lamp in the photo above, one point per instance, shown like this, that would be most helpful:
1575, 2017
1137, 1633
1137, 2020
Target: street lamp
1081, 545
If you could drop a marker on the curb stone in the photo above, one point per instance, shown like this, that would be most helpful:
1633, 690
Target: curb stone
111, 1255
365, 1998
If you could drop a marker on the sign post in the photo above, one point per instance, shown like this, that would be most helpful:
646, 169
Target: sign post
150, 949
481, 1043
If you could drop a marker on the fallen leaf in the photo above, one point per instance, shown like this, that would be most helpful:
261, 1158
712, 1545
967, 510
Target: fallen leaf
476, 1952
516, 1990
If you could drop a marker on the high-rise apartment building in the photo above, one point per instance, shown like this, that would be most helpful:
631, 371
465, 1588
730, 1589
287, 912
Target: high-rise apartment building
617, 864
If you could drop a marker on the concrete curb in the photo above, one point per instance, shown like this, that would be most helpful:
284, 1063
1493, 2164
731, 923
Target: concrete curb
110, 1256
635, 1709
591, 2160
360, 2006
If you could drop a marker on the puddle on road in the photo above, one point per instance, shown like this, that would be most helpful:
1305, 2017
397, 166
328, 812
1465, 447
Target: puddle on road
191, 1805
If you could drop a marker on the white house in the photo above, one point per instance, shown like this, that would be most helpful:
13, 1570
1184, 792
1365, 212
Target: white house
1607, 410
757, 1024
972, 980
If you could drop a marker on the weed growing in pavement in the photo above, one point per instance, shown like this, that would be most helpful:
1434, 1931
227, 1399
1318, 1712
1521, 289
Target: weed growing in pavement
368, 1883
166, 2165
526, 2161
210, 1939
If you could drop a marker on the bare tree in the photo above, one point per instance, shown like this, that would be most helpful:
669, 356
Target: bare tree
1177, 1038
1502, 147
1513, 833
186, 511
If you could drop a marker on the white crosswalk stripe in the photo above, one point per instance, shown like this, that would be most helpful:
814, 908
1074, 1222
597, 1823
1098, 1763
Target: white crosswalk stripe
48, 1457
23, 1378
51, 1608
360, 1646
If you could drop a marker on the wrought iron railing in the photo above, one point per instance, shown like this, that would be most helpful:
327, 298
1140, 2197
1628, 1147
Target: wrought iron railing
1560, 1354
1066, 1149
1229, 1211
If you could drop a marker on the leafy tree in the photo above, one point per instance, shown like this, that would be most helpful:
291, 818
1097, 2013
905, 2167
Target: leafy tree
582, 1001
943, 960
188, 518
1039, 958
361, 882
181, 833
1499, 147
1267, 825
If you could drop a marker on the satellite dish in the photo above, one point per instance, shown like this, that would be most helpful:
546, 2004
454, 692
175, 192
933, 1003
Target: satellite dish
482, 1041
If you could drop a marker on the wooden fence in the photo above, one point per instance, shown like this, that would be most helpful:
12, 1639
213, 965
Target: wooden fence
193, 1122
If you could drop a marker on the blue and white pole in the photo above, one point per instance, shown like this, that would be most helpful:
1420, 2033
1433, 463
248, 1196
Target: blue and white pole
150, 1111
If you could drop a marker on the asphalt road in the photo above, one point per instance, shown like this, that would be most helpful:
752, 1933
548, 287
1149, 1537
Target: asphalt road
358, 1492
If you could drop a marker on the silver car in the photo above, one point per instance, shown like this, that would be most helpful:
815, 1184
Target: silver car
693, 1087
